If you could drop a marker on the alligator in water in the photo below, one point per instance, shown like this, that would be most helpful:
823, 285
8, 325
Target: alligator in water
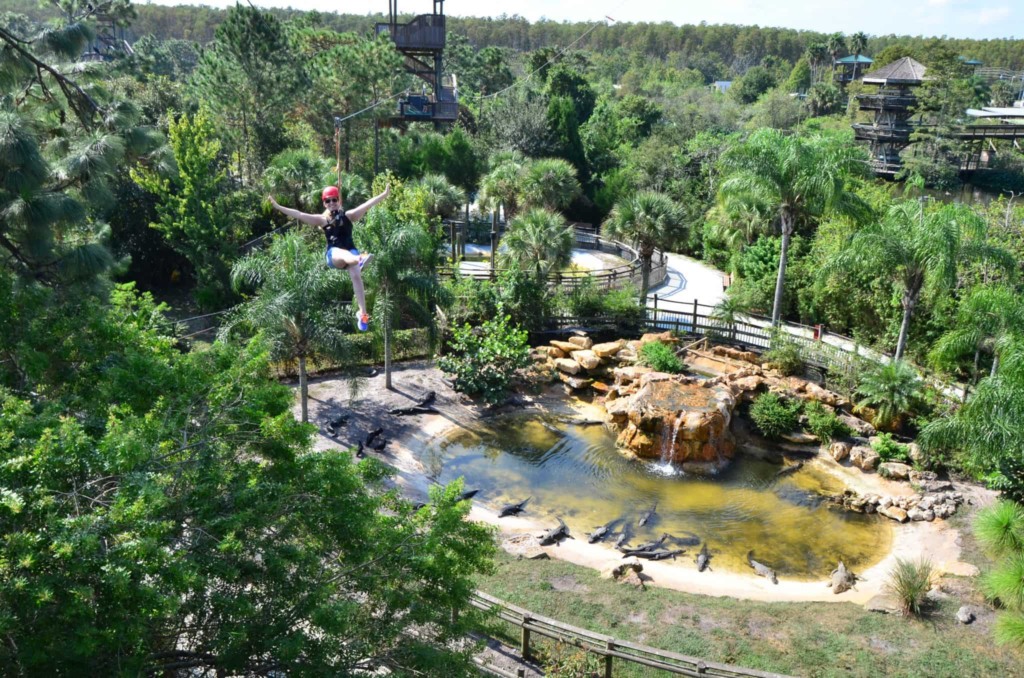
792, 468
555, 534
762, 569
513, 509
648, 515
624, 536
704, 558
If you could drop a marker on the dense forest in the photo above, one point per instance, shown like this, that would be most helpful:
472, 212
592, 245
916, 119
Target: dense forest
161, 508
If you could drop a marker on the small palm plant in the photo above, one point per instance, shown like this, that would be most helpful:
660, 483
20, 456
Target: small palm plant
909, 581
893, 390
540, 240
1000, 529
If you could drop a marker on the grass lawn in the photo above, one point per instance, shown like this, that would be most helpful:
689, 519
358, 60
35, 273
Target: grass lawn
801, 639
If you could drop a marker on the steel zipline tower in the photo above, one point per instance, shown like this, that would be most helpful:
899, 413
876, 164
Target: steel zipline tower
422, 42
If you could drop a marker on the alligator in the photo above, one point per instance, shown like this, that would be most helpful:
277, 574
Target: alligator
555, 534
646, 517
792, 468
467, 495
842, 579
762, 569
704, 558
624, 536
661, 554
601, 532
513, 509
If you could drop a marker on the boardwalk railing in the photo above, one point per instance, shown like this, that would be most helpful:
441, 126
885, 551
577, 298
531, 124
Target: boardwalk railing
586, 238
607, 647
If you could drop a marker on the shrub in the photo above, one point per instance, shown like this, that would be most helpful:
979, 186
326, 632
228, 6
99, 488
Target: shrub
784, 355
909, 582
824, 423
484, 360
587, 300
773, 416
890, 450
660, 357
1000, 529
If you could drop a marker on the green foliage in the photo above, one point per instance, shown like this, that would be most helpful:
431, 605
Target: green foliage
157, 500
890, 450
647, 220
191, 207
755, 82
538, 240
588, 300
661, 357
785, 354
909, 581
483, 360
824, 423
893, 390
1000, 529
773, 416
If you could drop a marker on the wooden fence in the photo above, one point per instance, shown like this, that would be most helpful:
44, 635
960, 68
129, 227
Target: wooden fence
606, 647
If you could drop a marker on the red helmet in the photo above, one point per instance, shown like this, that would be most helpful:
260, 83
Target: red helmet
331, 192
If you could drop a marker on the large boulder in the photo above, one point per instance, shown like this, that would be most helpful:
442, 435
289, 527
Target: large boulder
564, 346
582, 342
895, 470
567, 366
587, 359
894, 512
608, 349
839, 449
857, 425
864, 458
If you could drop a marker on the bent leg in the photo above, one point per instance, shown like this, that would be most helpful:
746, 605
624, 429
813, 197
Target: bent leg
344, 259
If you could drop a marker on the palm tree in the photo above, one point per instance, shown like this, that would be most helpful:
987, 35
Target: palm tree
295, 305
987, 319
539, 239
800, 180
402, 279
816, 54
550, 183
835, 44
441, 196
500, 187
987, 432
858, 41
648, 220
728, 312
917, 248
893, 390
298, 175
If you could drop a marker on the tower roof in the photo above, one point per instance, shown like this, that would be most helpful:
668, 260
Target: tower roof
905, 71
855, 58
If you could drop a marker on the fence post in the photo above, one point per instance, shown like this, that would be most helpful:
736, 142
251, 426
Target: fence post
608, 660
494, 241
694, 326
455, 244
524, 640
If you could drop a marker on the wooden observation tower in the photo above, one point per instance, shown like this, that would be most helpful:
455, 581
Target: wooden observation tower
893, 107
422, 42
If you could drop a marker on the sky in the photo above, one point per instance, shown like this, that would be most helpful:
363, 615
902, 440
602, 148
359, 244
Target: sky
980, 19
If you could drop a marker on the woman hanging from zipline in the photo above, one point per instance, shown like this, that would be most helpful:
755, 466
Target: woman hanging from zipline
336, 223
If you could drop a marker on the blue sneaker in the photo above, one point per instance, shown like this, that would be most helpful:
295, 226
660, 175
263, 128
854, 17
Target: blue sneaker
363, 322
364, 260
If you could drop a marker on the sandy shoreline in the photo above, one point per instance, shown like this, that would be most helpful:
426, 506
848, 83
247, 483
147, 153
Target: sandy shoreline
370, 402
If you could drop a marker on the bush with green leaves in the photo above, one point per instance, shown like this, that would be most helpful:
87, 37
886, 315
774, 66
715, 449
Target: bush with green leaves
1000, 529
588, 300
893, 391
909, 581
483, 360
824, 423
773, 416
784, 354
661, 357
890, 450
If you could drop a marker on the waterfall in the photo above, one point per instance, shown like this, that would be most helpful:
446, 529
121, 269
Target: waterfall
669, 433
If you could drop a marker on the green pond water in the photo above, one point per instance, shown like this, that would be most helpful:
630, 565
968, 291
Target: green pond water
575, 472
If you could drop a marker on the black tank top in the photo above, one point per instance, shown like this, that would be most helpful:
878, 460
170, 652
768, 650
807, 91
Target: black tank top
339, 231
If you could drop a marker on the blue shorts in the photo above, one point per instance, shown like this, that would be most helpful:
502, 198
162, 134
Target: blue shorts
330, 264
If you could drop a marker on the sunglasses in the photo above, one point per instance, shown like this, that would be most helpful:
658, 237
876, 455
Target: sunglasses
330, 200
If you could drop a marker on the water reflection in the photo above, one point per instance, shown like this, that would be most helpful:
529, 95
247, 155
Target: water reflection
575, 472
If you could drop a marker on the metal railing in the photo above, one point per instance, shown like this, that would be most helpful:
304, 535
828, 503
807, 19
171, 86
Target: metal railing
616, 277
427, 31
606, 647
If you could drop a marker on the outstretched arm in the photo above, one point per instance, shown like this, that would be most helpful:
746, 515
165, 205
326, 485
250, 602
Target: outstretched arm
356, 213
304, 217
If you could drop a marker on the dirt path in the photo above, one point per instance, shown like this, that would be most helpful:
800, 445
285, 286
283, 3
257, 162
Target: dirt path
366, 401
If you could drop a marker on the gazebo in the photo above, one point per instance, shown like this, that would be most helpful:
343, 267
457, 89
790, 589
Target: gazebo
892, 104
848, 68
